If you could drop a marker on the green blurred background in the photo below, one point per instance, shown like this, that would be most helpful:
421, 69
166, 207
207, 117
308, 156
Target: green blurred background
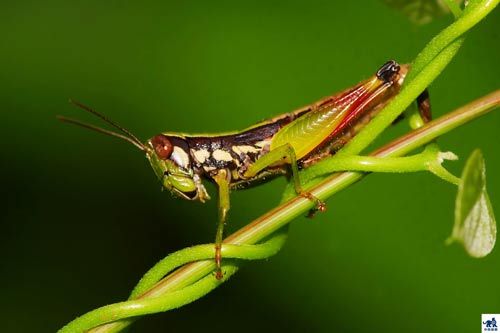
83, 216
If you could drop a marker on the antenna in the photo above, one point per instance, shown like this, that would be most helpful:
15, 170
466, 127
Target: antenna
127, 135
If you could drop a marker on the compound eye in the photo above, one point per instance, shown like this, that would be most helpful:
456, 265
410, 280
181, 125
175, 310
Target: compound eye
162, 146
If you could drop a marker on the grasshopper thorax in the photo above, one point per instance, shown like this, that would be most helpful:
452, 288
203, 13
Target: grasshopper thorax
171, 162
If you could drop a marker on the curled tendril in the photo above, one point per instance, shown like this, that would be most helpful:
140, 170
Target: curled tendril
138, 307
203, 252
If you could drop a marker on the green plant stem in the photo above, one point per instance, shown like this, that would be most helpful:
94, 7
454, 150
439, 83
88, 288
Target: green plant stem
425, 161
473, 13
454, 8
194, 280
426, 67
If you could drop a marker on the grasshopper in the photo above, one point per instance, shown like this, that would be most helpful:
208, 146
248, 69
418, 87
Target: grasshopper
279, 146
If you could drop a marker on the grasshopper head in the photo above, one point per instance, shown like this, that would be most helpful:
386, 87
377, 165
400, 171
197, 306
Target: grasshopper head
170, 161
168, 156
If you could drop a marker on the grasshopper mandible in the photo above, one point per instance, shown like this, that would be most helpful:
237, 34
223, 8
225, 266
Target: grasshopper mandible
279, 146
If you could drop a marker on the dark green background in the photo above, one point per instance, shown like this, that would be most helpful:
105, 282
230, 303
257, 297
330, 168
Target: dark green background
83, 215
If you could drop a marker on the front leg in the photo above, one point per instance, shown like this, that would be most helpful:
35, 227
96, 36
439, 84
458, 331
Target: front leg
281, 154
222, 179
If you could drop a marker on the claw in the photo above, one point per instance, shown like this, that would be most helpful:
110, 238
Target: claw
320, 205
218, 259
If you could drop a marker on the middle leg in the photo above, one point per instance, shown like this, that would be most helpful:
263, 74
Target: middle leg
284, 152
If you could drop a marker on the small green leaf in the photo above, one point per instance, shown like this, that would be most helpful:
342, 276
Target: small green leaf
475, 225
